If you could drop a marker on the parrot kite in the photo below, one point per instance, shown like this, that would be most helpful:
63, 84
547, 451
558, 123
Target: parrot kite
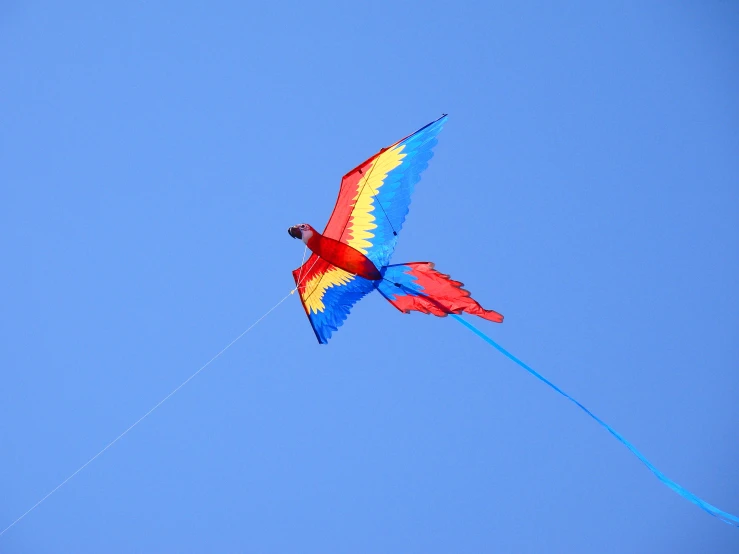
352, 256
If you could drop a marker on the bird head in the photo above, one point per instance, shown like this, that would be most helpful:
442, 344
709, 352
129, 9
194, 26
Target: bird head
302, 231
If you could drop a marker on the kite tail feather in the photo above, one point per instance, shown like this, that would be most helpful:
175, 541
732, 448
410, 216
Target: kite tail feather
679, 489
418, 287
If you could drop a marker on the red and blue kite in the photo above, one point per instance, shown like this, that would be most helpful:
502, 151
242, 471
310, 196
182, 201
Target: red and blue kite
352, 256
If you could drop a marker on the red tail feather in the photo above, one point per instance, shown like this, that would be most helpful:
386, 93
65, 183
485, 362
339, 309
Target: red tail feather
419, 287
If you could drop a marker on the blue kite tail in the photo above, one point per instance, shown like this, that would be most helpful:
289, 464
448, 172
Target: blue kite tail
679, 489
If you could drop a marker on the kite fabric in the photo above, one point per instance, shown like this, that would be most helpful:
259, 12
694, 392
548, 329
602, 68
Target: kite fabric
416, 286
351, 257
679, 489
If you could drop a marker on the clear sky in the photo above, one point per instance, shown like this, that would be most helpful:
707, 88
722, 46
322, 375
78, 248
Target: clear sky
152, 155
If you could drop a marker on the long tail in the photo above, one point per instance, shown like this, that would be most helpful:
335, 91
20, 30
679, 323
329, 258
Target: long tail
726, 517
419, 287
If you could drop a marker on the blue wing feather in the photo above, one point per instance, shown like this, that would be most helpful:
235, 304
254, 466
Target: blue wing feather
338, 301
393, 199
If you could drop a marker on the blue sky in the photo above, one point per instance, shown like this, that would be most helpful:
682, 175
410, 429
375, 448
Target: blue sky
152, 156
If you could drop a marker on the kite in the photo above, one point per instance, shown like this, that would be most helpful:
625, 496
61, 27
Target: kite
351, 258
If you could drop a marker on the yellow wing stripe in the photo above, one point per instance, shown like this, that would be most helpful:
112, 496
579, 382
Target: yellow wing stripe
362, 223
317, 286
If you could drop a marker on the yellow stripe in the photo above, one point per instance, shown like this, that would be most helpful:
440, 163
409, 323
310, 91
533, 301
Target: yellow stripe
317, 286
362, 223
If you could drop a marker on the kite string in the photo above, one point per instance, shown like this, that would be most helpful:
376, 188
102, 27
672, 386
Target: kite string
302, 262
147, 414
679, 489
315, 288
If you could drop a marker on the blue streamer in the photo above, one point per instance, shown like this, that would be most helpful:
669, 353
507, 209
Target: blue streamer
710, 508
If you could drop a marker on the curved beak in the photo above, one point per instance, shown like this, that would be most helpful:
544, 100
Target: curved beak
294, 232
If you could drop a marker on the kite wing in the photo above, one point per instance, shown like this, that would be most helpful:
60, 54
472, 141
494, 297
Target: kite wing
375, 196
328, 294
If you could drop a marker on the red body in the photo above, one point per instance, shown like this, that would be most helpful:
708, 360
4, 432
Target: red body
343, 256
